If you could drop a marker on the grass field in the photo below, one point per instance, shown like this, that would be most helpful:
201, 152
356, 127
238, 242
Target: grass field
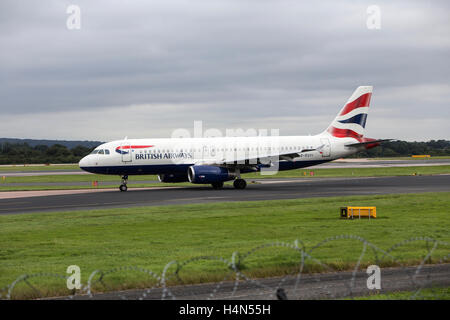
424, 294
356, 172
411, 158
21, 167
5, 184
150, 237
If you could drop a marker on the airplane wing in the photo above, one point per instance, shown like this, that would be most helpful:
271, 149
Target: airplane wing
253, 160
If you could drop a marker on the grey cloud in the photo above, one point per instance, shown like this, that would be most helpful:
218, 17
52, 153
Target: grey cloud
224, 60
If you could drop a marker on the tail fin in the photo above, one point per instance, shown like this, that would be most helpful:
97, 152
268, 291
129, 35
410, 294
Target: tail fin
351, 120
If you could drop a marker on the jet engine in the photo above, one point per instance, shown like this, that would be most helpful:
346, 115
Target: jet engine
170, 177
209, 174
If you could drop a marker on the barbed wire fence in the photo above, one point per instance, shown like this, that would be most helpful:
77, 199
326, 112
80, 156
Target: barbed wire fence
305, 283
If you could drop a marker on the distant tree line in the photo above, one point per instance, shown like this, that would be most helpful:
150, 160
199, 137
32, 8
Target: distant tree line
23, 153
68, 143
403, 148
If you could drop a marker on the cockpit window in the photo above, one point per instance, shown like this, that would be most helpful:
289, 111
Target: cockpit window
100, 151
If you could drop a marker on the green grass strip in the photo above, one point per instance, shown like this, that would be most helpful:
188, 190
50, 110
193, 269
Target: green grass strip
150, 237
423, 294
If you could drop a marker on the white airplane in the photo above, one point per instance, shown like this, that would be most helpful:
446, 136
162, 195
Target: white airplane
216, 160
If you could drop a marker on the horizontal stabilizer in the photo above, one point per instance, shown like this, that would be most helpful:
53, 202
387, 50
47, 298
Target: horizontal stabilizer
367, 142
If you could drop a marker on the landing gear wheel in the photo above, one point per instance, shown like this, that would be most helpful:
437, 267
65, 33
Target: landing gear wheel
123, 187
217, 185
239, 184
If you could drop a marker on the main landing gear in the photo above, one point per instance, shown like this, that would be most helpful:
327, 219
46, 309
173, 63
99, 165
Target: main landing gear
123, 187
239, 183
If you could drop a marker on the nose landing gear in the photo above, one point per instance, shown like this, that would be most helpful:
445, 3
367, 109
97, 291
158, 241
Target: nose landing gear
123, 187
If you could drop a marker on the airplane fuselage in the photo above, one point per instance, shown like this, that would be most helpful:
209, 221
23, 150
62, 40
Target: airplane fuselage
163, 156
220, 159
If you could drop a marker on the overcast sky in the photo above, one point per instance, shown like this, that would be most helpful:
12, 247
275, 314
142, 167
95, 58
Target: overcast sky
144, 68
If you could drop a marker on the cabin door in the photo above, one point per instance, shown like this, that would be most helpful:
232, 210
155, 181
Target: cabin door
126, 151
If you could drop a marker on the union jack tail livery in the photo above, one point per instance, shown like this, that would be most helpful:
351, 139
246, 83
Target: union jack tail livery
351, 120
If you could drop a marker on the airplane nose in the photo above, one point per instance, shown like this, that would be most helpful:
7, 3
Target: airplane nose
83, 162
88, 164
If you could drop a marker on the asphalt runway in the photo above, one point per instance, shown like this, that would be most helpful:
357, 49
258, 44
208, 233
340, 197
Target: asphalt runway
330, 285
264, 189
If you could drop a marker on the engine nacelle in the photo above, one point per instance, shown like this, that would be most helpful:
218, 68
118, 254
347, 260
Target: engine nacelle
209, 174
170, 177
